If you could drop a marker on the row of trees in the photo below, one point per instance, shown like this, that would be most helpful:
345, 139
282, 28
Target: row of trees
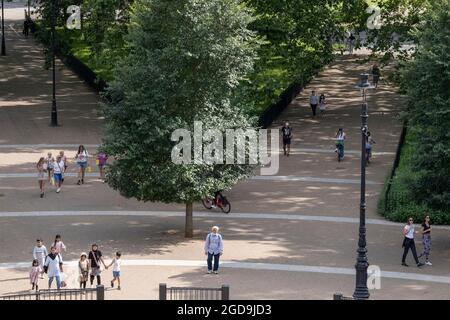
426, 81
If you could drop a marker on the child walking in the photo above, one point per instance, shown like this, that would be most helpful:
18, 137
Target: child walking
59, 245
35, 271
116, 262
83, 270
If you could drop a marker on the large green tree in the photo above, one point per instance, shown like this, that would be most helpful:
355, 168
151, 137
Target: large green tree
427, 83
186, 60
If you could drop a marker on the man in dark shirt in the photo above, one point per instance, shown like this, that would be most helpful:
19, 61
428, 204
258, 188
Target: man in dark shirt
286, 132
95, 258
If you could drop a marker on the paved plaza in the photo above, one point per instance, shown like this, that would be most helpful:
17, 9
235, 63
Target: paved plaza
289, 236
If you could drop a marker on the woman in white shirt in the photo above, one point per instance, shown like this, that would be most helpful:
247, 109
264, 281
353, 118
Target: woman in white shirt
53, 267
82, 161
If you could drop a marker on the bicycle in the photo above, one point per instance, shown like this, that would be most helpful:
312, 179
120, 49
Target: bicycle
222, 203
340, 151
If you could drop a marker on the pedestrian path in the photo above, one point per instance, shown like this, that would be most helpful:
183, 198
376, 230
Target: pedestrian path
201, 214
257, 266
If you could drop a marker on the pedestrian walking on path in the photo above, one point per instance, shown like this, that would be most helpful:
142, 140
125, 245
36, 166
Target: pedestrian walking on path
286, 132
213, 249
82, 161
50, 161
83, 270
313, 101
408, 243
59, 245
54, 267
369, 143
35, 271
41, 167
322, 103
58, 172
376, 74
95, 258
63, 159
39, 253
340, 139
351, 43
116, 262
101, 162
426, 240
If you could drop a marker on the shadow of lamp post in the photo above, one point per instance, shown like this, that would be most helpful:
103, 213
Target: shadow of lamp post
362, 264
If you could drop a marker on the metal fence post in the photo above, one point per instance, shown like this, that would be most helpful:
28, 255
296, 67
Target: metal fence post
101, 292
338, 296
162, 291
225, 292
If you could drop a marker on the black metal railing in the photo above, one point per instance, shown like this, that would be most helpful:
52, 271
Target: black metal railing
340, 296
387, 190
182, 293
62, 294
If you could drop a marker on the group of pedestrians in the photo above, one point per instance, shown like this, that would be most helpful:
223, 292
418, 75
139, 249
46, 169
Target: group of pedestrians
89, 265
408, 241
316, 101
53, 171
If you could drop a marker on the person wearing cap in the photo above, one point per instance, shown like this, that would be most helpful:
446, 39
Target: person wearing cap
83, 270
213, 248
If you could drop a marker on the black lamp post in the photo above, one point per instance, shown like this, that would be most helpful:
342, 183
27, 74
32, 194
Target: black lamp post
3, 29
54, 117
29, 11
361, 290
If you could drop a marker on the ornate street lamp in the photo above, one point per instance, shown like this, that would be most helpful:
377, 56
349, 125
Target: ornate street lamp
362, 264
54, 115
3, 29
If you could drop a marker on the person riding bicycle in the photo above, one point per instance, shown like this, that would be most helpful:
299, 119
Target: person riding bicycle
340, 138
218, 199
369, 143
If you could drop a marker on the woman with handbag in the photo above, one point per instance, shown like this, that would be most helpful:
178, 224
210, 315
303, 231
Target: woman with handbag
53, 267
95, 258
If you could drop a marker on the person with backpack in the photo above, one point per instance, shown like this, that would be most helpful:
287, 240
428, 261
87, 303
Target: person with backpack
213, 249
53, 266
408, 243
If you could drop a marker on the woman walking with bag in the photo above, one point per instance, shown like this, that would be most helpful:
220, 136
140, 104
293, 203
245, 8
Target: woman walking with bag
53, 266
95, 258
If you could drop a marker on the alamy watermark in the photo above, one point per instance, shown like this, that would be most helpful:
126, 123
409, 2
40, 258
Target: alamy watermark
237, 146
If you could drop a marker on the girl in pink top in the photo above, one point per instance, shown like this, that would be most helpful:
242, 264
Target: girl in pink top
35, 271
59, 245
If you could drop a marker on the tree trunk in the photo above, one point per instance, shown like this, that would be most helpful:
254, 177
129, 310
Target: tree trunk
189, 227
